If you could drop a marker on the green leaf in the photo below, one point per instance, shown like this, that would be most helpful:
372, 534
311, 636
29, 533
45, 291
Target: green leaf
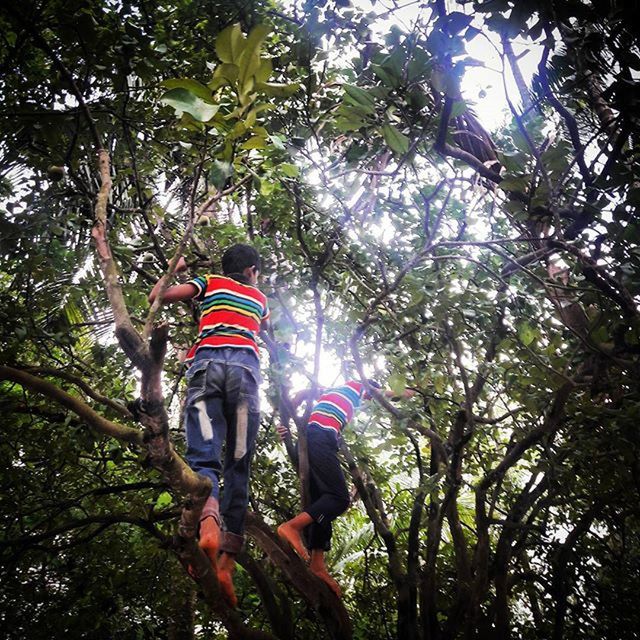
266, 188
395, 139
251, 118
360, 97
514, 183
417, 68
224, 74
390, 79
520, 141
219, 173
513, 162
249, 60
238, 130
230, 43
195, 87
397, 383
439, 385
252, 115
277, 90
184, 101
246, 95
163, 500
256, 142
264, 70
289, 170
527, 333
277, 142
600, 335
349, 122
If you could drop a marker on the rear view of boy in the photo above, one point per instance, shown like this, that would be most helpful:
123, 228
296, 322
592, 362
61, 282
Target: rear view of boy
329, 496
222, 405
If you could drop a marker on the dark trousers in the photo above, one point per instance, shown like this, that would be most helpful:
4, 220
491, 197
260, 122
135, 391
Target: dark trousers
222, 407
327, 487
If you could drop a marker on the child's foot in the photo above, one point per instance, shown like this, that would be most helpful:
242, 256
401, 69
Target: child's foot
328, 580
210, 539
292, 536
226, 567
225, 580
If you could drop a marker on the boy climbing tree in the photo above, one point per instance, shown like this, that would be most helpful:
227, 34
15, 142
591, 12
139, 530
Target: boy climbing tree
329, 496
222, 404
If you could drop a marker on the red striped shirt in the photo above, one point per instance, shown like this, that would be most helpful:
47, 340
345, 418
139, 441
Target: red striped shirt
336, 406
230, 313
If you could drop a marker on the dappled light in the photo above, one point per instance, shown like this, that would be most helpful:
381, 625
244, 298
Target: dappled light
422, 361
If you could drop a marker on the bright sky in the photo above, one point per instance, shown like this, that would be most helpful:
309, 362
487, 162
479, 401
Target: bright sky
482, 86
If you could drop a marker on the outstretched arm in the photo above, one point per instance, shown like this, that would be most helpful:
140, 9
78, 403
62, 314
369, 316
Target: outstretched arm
405, 393
301, 396
177, 293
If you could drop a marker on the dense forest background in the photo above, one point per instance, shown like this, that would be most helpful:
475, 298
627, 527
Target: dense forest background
495, 270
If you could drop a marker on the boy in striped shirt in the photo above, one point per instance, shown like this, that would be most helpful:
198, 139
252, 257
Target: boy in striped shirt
222, 402
329, 496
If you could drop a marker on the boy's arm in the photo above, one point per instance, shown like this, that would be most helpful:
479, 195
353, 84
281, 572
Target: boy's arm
406, 393
303, 395
284, 433
265, 321
178, 292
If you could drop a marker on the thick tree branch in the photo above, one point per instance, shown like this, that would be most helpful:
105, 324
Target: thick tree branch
92, 393
78, 406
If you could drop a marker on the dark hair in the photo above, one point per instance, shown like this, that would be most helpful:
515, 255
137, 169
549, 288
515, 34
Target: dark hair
237, 258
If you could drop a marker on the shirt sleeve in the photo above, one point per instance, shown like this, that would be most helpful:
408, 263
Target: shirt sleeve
266, 312
200, 284
358, 387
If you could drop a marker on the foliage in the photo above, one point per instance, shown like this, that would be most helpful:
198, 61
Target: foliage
497, 274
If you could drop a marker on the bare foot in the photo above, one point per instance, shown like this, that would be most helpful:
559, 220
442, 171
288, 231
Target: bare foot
210, 539
328, 580
292, 536
226, 567
225, 580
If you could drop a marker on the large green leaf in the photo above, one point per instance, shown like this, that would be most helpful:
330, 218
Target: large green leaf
219, 173
230, 43
196, 88
360, 97
184, 101
264, 71
514, 183
249, 60
395, 139
225, 74
278, 90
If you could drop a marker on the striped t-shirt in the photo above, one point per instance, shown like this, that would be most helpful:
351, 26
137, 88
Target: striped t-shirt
230, 313
336, 406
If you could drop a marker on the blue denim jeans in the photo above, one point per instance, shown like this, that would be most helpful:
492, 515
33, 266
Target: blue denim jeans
223, 407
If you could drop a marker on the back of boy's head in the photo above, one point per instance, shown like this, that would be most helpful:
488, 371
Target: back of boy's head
237, 258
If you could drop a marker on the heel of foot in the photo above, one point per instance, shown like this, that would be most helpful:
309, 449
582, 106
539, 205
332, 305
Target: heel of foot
330, 582
293, 538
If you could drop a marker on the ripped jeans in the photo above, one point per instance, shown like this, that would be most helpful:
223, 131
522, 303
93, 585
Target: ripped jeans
222, 406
